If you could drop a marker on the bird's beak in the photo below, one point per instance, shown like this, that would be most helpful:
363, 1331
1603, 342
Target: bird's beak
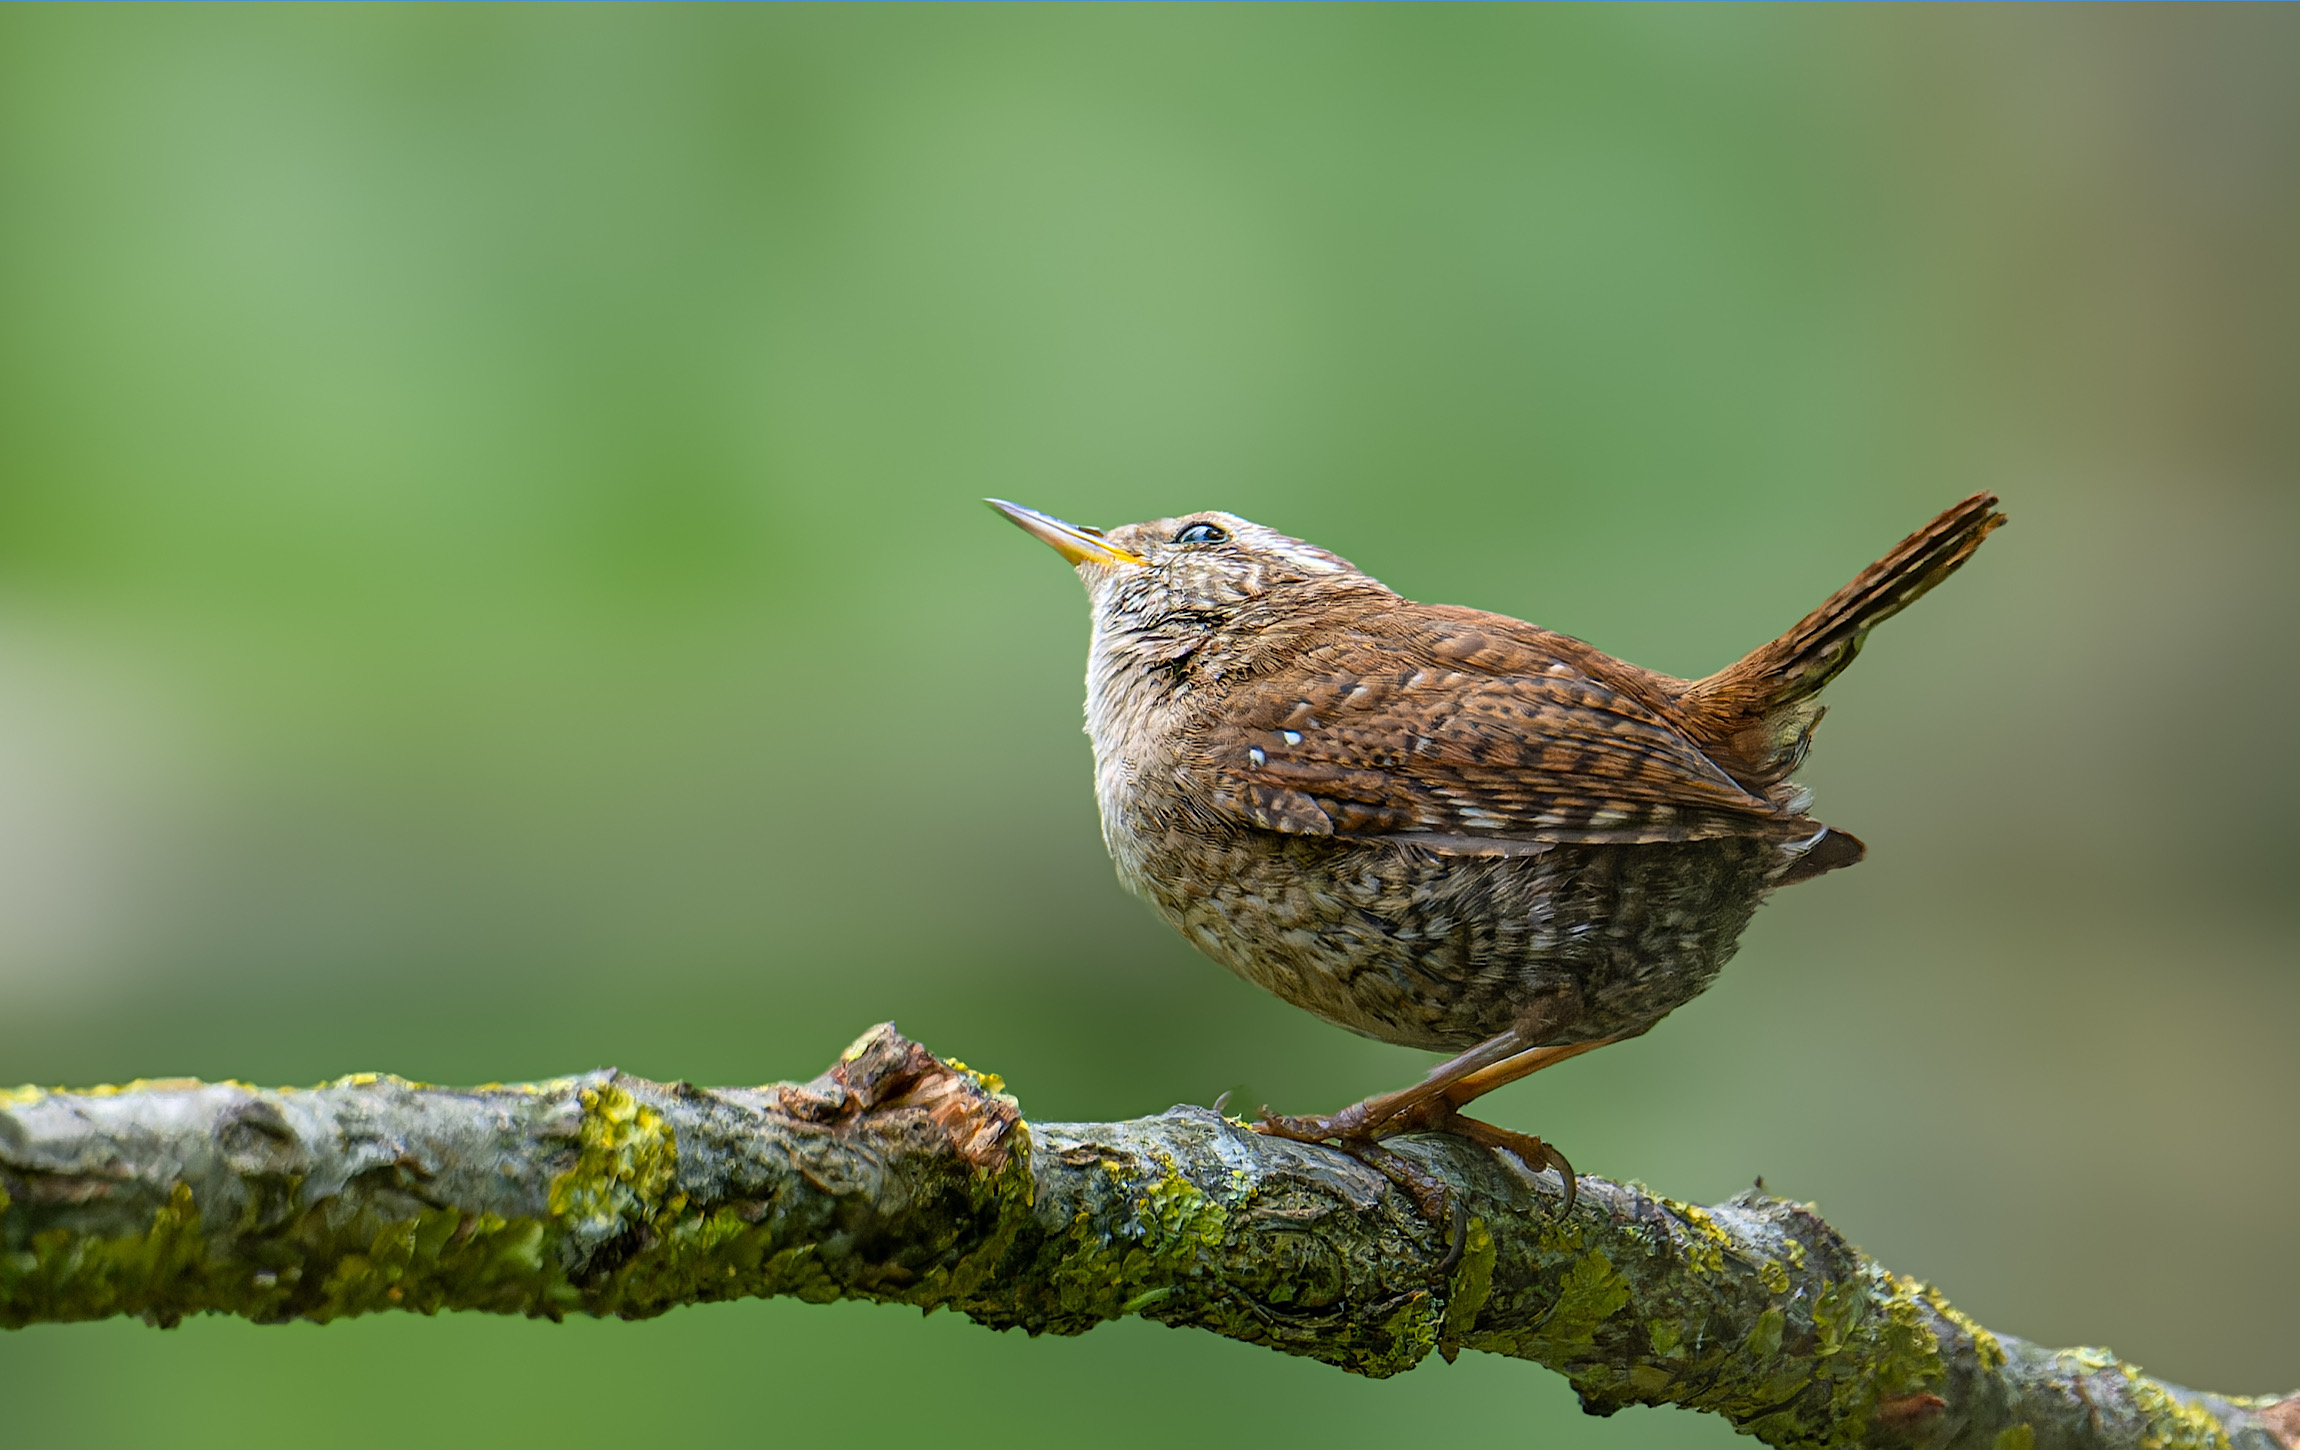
1078, 545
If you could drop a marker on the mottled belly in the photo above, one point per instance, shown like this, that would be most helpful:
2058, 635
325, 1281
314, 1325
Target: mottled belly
1443, 952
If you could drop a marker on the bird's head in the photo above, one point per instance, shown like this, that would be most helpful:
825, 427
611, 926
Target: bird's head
1179, 579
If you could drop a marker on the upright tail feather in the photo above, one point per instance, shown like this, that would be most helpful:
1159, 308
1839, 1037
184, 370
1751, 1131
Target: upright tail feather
1760, 710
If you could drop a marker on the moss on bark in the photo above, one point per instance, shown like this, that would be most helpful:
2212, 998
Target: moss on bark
901, 1178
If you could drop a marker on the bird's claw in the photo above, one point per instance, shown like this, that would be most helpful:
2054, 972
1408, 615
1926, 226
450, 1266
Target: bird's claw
1349, 1131
1526, 1148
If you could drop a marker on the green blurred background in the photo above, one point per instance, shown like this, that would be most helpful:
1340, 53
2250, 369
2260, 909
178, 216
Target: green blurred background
491, 585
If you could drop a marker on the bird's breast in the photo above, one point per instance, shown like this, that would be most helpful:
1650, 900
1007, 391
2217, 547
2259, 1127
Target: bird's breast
1133, 721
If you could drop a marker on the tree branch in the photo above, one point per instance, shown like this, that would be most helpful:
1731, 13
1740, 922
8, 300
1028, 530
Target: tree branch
902, 1178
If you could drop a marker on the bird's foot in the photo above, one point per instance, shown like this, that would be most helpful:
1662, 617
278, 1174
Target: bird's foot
1356, 1131
1526, 1148
1426, 1190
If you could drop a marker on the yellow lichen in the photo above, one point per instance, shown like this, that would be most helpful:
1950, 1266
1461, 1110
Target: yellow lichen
989, 1082
1706, 1249
626, 1162
1471, 1286
1589, 1294
2171, 1424
1409, 1334
1912, 1352
1100, 1279
1985, 1346
1900, 1354
141, 1084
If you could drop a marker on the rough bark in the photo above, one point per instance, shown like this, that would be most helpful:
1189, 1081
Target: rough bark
899, 1177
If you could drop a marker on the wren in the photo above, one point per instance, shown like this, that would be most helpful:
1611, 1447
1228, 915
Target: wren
1444, 828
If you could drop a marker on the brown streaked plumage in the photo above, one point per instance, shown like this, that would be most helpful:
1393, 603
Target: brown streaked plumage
1441, 827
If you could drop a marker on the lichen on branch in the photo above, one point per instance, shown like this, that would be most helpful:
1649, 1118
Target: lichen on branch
899, 1177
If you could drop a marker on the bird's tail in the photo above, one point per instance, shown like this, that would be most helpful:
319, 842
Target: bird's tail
1760, 709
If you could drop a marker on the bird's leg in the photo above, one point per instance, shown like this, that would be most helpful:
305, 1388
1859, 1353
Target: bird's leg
1473, 1085
1434, 1104
1502, 1058
1364, 1121
1440, 1112
1531, 1151
1359, 1128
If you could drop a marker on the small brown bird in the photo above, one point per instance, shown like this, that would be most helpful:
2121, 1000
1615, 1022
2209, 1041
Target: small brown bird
1439, 827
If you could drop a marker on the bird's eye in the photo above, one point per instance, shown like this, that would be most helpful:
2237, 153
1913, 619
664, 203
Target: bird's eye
1201, 534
